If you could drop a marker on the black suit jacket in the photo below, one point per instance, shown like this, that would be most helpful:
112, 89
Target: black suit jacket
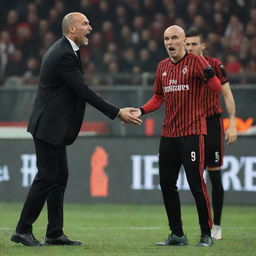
61, 97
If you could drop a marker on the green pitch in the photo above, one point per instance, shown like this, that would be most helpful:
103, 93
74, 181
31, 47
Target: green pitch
131, 230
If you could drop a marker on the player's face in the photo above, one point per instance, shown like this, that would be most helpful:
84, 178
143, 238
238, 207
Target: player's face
81, 29
194, 45
174, 42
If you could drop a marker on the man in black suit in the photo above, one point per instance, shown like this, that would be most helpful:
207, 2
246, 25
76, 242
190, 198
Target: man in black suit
54, 123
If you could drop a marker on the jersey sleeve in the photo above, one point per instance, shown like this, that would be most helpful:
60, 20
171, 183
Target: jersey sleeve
153, 104
220, 72
158, 89
201, 65
203, 68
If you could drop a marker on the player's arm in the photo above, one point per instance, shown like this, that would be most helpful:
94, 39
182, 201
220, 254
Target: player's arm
212, 80
153, 104
209, 75
156, 101
231, 133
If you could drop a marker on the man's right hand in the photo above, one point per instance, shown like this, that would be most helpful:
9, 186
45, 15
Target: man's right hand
130, 115
137, 112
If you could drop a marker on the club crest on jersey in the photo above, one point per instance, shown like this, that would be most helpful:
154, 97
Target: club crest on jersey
185, 70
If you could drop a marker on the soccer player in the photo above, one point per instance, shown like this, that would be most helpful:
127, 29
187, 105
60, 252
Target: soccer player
179, 84
214, 139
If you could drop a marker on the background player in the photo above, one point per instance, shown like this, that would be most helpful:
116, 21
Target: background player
214, 139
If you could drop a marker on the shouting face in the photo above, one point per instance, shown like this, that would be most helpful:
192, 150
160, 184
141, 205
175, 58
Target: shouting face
76, 26
174, 41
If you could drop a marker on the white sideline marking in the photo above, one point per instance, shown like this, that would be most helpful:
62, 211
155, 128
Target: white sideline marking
134, 228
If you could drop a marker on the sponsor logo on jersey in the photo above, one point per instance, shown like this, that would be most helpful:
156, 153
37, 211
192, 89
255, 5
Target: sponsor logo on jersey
175, 88
164, 74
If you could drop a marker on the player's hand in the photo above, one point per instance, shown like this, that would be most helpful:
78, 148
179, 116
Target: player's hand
128, 115
231, 135
137, 112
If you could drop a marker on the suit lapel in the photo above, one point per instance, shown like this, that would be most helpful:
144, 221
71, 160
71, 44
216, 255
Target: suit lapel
79, 60
77, 55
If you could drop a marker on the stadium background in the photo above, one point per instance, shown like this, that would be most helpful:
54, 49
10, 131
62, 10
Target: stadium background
119, 63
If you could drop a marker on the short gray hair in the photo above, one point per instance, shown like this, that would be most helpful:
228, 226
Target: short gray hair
67, 21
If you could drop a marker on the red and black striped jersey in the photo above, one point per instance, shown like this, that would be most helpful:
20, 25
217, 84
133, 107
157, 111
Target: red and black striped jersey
212, 99
181, 85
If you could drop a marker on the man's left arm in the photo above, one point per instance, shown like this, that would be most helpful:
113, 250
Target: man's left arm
231, 133
207, 74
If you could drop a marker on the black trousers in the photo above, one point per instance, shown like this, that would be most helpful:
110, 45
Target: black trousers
214, 141
49, 185
189, 152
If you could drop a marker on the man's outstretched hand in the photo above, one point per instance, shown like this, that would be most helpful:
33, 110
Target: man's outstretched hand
137, 112
128, 115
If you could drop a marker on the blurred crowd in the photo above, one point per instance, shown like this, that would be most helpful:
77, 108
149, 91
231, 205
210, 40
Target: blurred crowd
127, 38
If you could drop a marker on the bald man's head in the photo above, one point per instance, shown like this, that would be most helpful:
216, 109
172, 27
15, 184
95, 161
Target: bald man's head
176, 29
68, 20
75, 26
174, 41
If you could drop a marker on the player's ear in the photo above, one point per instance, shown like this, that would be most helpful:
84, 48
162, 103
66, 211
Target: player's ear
185, 41
203, 46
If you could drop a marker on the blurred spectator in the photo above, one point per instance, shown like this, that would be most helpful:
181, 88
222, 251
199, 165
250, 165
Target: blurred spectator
180, 22
192, 12
232, 64
127, 35
47, 40
252, 49
233, 33
30, 76
136, 75
138, 26
26, 41
145, 36
214, 44
121, 18
251, 67
105, 11
11, 23
253, 16
32, 8
158, 26
43, 28
108, 33
250, 72
170, 8
200, 24
113, 74
55, 19
15, 65
7, 48
250, 31
128, 60
145, 62
244, 52
219, 23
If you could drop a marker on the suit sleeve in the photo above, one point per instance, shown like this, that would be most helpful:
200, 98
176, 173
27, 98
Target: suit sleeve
69, 71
